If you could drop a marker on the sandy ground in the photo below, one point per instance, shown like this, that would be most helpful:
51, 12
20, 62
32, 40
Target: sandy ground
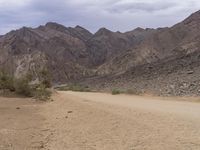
20, 124
96, 121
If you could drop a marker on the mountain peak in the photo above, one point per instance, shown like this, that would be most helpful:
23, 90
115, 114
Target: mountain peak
54, 25
79, 27
103, 31
51, 24
139, 29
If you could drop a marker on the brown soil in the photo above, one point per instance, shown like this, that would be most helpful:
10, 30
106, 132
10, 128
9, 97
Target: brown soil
96, 121
20, 124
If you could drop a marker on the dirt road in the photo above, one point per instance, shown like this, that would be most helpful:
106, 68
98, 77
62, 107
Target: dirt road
95, 121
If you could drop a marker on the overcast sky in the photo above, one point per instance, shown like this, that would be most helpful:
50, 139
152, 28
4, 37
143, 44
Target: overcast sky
122, 15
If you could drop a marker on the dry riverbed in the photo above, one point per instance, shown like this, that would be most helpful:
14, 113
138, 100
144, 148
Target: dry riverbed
96, 121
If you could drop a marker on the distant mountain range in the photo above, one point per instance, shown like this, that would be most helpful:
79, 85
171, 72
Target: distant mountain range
162, 61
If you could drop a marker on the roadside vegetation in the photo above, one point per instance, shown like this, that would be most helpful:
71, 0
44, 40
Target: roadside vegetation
83, 88
75, 87
134, 92
116, 92
11, 86
128, 91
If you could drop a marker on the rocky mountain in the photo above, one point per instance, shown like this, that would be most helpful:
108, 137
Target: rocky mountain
105, 44
59, 49
160, 44
166, 62
68, 53
134, 59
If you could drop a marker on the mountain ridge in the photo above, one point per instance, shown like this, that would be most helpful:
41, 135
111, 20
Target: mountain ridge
72, 54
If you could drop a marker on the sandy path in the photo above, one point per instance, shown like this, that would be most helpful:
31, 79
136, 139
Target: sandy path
93, 121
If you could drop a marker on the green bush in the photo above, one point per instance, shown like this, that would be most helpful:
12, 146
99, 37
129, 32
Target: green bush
116, 92
45, 78
39, 92
76, 88
46, 83
22, 87
63, 88
6, 82
42, 93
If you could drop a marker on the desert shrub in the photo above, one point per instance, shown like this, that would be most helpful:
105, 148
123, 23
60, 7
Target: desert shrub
116, 92
42, 93
45, 78
22, 87
75, 87
133, 92
6, 82
63, 88
46, 83
39, 91
79, 88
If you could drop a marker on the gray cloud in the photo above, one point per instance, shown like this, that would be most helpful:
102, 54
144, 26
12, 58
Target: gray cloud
141, 6
120, 15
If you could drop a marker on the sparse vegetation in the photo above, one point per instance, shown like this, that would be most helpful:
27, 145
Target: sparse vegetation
42, 93
45, 78
116, 92
6, 82
129, 91
133, 92
75, 87
22, 87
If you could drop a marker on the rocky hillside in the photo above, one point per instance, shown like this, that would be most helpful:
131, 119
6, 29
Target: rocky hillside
165, 63
68, 53
183, 38
54, 47
135, 59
